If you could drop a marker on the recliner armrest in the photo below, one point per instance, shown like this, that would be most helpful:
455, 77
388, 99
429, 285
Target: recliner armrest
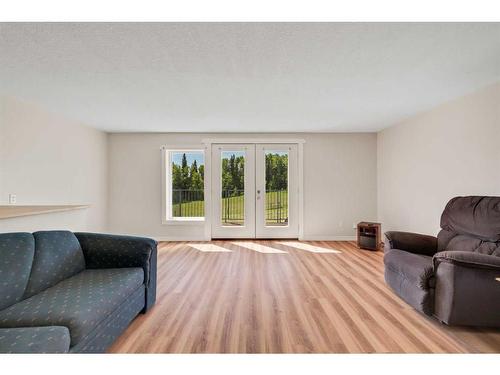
467, 288
467, 259
412, 242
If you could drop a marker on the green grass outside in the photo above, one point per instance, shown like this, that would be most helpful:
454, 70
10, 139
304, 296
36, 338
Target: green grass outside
233, 208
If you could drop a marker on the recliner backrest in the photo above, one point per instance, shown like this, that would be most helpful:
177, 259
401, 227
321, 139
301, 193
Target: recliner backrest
16, 259
471, 224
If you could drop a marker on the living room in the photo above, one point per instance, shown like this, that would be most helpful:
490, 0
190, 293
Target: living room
249, 187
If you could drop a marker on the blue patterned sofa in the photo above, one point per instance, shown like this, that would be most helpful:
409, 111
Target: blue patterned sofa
72, 292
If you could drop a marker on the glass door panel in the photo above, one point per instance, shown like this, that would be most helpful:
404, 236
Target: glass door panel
233, 188
233, 191
276, 197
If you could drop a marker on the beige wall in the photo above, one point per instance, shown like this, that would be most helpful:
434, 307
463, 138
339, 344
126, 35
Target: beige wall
46, 159
449, 151
339, 183
405, 174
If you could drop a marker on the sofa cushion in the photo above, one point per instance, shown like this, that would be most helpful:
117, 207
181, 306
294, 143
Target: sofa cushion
34, 340
58, 255
80, 302
108, 330
16, 259
415, 268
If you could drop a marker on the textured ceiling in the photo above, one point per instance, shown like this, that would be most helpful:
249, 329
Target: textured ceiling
245, 77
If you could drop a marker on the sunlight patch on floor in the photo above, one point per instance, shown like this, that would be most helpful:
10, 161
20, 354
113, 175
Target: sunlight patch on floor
309, 247
258, 247
209, 248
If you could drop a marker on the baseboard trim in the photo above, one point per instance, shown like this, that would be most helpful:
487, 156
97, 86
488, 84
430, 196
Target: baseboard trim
179, 239
328, 238
307, 238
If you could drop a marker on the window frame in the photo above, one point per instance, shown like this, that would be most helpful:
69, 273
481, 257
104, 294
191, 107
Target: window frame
166, 190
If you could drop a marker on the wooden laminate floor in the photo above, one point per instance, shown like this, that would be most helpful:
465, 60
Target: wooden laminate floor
285, 297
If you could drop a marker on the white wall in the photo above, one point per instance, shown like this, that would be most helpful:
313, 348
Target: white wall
46, 159
339, 182
424, 161
405, 174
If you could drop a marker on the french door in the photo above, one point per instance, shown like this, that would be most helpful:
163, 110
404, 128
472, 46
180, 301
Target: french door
254, 191
233, 190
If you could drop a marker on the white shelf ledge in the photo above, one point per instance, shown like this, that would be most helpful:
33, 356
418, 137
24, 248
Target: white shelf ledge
10, 211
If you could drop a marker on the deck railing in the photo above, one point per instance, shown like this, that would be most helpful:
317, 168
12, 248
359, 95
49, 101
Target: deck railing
233, 207
276, 207
190, 203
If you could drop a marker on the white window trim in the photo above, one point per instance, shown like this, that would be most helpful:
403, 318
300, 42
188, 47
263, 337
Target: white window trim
166, 188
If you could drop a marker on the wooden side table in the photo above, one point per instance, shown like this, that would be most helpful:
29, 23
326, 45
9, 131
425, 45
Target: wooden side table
369, 236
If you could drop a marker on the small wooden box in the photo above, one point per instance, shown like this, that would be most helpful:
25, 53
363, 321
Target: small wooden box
369, 236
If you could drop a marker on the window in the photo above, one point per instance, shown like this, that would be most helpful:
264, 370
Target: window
185, 193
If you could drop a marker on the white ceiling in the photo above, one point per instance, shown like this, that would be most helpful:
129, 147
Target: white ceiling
245, 77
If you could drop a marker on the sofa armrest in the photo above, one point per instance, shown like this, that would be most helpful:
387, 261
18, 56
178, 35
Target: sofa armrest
467, 259
412, 242
117, 251
50, 339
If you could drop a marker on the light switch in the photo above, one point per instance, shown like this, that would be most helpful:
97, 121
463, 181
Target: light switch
12, 199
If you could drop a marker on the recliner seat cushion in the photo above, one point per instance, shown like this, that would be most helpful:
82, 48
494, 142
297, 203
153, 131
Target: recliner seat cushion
16, 258
80, 302
58, 255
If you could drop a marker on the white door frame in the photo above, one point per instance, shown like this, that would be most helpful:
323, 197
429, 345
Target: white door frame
208, 175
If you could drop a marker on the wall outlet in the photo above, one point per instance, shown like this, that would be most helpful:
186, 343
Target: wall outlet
12, 199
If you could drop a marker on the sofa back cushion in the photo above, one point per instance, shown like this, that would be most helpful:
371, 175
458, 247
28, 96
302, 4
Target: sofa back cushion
58, 255
16, 258
474, 216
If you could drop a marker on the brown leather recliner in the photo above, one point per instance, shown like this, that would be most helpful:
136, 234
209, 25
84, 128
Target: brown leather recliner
456, 276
